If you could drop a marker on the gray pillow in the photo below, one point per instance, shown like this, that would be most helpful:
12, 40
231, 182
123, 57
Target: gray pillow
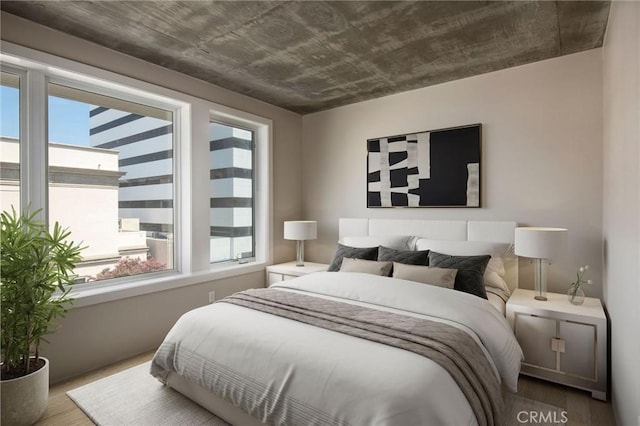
366, 266
368, 253
440, 277
408, 257
470, 271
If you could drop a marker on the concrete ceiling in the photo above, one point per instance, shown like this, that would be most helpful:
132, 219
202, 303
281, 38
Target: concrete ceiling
308, 56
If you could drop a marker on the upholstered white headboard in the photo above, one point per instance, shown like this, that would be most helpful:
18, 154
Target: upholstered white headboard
444, 230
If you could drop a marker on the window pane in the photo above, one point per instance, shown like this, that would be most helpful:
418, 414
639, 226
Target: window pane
111, 176
231, 175
9, 141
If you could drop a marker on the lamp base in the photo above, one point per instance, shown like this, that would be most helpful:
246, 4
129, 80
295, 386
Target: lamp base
540, 269
299, 253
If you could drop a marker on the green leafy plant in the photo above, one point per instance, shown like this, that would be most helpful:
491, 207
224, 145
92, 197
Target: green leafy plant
35, 264
579, 282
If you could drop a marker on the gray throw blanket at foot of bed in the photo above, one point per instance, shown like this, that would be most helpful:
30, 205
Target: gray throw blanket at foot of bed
453, 349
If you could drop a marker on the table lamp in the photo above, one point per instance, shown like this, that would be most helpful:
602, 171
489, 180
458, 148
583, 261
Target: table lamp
300, 230
540, 244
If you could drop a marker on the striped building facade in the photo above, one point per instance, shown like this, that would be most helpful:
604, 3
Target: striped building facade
231, 175
146, 190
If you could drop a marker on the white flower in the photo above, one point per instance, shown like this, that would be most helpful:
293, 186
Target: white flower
579, 278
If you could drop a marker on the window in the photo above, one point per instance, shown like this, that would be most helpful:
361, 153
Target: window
114, 160
9, 141
231, 174
153, 179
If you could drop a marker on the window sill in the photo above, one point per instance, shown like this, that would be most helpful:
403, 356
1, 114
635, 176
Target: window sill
109, 293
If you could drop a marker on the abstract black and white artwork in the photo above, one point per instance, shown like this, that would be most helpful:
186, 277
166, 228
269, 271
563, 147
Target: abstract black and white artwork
437, 168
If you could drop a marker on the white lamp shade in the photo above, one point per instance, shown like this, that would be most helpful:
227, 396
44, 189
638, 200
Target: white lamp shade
301, 230
540, 243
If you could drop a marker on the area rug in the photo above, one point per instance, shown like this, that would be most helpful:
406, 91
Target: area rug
133, 397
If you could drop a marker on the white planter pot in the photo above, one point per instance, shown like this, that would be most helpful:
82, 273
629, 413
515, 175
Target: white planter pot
24, 399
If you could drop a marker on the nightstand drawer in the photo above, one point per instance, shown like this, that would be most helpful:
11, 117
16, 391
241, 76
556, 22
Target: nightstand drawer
579, 358
539, 330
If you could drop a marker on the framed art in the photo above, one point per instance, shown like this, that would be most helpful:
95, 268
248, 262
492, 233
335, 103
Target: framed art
435, 168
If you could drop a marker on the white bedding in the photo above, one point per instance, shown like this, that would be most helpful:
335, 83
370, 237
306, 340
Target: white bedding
496, 298
287, 372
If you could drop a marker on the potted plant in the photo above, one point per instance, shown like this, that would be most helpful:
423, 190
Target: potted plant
35, 271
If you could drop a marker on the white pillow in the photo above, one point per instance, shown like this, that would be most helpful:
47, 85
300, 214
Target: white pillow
367, 266
441, 277
496, 264
492, 279
398, 242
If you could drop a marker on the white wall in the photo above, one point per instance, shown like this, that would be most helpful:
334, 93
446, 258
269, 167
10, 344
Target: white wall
98, 335
542, 149
621, 93
93, 336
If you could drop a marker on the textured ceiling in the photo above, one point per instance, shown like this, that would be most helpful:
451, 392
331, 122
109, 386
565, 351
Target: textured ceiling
308, 56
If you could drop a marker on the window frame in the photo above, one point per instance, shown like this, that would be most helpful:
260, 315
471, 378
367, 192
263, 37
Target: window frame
191, 119
262, 186
122, 94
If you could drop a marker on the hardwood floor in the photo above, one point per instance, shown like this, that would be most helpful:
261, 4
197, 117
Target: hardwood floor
581, 408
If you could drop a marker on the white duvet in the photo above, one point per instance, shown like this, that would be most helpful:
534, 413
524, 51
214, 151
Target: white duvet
282, 371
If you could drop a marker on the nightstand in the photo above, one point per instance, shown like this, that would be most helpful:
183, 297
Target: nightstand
289, 270
562, 343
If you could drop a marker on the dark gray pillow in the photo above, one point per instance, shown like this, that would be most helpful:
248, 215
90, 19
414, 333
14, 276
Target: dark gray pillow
470, 271
408, 257
367, 253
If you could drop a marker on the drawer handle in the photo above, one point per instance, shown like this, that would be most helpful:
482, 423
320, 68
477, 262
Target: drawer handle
557, 345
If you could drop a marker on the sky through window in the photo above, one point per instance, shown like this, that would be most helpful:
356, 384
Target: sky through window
68, 120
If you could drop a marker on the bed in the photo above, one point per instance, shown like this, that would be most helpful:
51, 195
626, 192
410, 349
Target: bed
356, 348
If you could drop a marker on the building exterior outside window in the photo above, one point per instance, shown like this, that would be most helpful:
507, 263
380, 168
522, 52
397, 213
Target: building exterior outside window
105, 158
231, 160
145, 160
116, 195
110, 179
